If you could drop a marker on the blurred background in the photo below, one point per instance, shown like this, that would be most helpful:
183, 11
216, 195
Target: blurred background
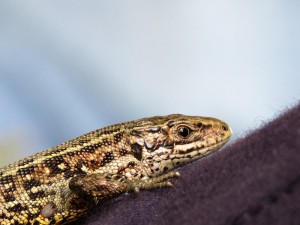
69, 67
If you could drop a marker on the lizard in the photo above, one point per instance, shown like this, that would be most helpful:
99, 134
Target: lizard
63, 183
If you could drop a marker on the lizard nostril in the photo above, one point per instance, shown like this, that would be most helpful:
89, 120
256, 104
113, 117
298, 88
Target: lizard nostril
200, 125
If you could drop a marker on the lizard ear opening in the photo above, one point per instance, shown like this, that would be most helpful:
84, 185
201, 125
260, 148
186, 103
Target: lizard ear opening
136, 150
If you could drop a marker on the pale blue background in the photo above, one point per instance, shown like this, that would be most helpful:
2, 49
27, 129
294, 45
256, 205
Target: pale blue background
69, 67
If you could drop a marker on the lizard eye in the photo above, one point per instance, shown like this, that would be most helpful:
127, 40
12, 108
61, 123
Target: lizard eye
184, 132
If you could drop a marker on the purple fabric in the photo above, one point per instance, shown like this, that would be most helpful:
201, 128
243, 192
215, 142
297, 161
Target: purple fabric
256, 180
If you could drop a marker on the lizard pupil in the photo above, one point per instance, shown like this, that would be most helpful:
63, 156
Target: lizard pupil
184, 132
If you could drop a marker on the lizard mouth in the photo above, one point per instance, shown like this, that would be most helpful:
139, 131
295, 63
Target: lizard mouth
196, 150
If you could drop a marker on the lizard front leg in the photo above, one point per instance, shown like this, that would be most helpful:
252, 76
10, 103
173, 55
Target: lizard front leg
84, 191
102, 187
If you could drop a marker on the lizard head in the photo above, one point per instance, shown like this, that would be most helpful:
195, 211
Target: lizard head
164, 143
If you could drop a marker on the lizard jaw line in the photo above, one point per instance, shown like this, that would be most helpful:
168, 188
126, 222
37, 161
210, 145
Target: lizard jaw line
198, 147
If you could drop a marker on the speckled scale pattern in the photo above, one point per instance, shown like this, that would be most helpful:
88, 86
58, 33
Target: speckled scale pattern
24, 186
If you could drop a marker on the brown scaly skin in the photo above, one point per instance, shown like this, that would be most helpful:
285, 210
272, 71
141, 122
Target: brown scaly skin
61, 184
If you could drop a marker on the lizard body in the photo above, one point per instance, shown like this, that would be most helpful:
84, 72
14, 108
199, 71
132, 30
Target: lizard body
62, 183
